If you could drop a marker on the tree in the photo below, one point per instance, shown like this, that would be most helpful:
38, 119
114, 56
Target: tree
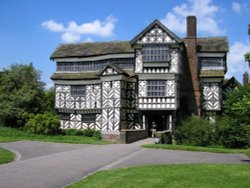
235, 131
247, 55
21, 92
49, 101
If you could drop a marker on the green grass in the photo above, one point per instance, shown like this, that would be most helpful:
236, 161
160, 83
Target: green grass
10, 135
195, 148
173, 176
6, 156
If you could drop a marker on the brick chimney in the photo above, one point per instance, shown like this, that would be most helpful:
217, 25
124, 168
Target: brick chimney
191, 26
245, 78
191, 44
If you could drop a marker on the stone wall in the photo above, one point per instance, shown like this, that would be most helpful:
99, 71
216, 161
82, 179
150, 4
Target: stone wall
132, 135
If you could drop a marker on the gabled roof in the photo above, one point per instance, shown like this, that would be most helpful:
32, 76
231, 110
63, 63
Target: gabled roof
232, 82
115, 67
212, 44
91, 49
150, 26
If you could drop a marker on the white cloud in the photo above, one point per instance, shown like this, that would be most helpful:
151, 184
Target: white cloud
236, 7
70, 37
53, 26
235, 60
72, 32
88, 40
204, 10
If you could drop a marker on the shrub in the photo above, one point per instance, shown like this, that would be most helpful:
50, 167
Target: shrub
231, 134
195, 131
97, 135
74, 132
46, 123
86, 132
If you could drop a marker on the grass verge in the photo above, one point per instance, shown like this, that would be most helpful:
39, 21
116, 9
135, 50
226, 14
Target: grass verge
10, 135
6, 156
174, 176
195, 148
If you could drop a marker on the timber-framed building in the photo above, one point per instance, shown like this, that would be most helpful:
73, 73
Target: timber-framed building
124, 86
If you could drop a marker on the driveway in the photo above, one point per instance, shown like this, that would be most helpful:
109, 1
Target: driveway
54, 165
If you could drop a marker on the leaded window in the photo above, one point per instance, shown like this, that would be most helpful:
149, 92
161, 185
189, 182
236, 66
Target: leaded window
78, 90
155, 53
88, 118
156, 88
212, 63
126, 63
65, 116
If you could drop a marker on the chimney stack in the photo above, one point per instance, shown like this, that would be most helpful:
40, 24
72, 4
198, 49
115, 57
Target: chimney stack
245, 78
191, 27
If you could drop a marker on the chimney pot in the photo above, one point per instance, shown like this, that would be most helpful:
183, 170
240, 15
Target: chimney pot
191, 26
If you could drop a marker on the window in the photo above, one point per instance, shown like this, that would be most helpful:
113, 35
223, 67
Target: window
126, 63
156, 88
212, 63
64, 116
88, 118
155, 53
78, 90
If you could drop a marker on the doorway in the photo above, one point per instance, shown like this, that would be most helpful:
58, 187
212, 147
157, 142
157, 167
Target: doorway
161, 119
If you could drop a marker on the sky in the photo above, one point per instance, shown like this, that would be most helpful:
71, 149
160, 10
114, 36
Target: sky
31, 30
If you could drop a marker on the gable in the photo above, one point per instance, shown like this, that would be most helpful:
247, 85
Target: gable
112, 69
156, 32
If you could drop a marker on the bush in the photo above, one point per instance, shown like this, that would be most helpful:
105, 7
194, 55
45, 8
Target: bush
73, 132
232, 134
46, 123
84, 132
195, 131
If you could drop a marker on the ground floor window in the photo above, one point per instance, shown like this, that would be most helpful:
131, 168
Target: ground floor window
88, 118
65, 116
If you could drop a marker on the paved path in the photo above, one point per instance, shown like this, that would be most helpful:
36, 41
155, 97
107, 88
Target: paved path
54, 165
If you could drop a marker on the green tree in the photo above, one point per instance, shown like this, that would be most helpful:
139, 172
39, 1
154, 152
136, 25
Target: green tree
49, 101
247, 55
234, 129
21, 92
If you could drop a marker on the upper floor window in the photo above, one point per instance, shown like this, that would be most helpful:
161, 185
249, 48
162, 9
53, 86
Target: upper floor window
78, 90
212, 63
126, 63
155, 53
156, 88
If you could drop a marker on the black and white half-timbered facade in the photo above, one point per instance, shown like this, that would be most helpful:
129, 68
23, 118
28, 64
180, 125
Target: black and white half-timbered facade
125, 86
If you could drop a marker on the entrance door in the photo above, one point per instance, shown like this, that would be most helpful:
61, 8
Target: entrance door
160, 119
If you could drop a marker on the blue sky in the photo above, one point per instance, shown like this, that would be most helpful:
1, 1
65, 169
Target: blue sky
31, 30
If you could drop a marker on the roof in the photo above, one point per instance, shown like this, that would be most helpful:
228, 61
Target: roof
212, 44
91, 49
212, 73
232, 82
150, 26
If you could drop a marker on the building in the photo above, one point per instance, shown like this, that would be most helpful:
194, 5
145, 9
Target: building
120, 88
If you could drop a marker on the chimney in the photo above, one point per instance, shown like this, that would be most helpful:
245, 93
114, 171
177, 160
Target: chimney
245, 78
192, 59
191, 27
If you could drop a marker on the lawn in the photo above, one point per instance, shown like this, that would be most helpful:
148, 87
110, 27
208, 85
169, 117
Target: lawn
6, 156
173, 176
195, 148
10, 135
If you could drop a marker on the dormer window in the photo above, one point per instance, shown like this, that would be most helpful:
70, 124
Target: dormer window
155, 53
